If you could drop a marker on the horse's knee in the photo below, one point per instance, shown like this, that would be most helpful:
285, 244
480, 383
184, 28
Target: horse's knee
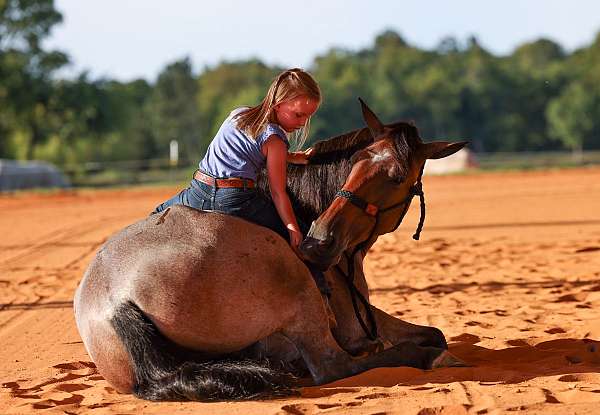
433, 337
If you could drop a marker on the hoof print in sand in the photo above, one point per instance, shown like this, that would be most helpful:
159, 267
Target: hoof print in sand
374, 396
68, 367
466, 338
555, 330
446, 410
49, 403
72, 387
587, 249
303, 408
571, 298
51, 393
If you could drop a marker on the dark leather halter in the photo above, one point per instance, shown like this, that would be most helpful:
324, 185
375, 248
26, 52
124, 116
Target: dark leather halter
373, 210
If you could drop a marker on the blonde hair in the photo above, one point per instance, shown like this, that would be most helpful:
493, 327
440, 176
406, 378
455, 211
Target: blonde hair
287, 85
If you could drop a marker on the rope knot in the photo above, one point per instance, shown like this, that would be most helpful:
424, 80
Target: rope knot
417, 189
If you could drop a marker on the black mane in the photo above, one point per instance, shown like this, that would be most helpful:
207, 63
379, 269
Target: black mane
312, 187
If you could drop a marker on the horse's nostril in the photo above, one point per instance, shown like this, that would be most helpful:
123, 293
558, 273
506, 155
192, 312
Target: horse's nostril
309, 243
319, 244
323, 245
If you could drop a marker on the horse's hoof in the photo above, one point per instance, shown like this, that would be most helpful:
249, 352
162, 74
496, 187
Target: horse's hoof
446, 359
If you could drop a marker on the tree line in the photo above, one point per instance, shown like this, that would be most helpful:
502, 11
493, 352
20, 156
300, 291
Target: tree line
537, 98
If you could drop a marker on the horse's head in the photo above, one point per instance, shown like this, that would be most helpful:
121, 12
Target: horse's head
376, 192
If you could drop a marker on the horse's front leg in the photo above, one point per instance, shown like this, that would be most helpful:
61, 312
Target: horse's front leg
396, 331
391, 330
311, 334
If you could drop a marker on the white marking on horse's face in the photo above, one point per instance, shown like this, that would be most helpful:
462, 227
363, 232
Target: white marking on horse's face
381, 157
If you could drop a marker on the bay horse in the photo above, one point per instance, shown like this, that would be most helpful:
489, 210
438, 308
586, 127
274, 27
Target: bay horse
187, 305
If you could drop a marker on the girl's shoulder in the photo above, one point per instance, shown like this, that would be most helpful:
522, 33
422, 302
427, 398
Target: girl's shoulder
230, 122
273, 129
235, 112
267, 131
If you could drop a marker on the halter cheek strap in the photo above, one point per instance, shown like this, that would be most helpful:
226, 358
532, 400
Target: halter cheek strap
359, 202
372, 210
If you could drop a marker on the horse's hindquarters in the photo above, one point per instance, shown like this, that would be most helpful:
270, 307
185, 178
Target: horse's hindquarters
200, 279
100, 339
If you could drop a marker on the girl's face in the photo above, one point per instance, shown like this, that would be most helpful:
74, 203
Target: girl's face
294, 113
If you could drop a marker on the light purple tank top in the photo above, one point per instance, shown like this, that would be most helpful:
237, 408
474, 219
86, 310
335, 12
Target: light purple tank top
233, 154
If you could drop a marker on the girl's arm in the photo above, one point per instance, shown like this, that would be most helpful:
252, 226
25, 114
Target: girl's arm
275, 151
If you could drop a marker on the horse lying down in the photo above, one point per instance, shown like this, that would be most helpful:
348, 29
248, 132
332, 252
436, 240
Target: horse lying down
192, 305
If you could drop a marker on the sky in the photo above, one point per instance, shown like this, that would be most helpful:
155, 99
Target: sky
129, 39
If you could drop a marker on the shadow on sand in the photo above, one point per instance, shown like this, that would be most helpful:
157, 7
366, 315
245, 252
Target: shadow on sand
523, 362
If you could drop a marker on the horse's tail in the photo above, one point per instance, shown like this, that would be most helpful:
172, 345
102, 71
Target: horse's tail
165, 371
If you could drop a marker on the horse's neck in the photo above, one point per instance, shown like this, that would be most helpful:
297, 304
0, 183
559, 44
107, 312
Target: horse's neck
313, 186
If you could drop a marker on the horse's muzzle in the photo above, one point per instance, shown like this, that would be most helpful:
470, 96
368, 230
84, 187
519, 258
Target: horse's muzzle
322, 253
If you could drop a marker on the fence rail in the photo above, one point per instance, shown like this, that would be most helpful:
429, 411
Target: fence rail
159, 170
156, 171
129, 172
536, 160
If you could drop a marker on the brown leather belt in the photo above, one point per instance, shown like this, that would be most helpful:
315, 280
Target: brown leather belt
231, 182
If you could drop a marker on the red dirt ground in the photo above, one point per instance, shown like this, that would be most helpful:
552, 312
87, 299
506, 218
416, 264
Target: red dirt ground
508, 268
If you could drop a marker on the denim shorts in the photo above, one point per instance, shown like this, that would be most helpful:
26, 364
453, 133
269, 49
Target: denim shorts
248, 204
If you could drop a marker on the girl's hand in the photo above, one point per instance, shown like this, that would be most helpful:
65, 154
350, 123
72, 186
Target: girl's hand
300, 157
295, 238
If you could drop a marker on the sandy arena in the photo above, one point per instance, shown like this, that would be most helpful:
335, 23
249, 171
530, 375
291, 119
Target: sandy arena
508, 267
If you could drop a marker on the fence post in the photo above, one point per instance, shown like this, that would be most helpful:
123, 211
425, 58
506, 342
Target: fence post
173, 157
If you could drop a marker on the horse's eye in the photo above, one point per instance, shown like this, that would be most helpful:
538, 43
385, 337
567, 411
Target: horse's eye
396, 176
399, 179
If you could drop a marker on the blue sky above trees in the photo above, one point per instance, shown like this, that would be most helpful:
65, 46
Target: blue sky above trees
127, 39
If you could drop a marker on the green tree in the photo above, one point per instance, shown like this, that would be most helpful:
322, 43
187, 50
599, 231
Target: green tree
573, 116
25, 85
538, 58
172, 110
78, 115
132, 136
574, 112
341, 79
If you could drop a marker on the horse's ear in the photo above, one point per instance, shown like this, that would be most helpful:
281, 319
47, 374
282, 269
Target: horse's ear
371, 119
441, 149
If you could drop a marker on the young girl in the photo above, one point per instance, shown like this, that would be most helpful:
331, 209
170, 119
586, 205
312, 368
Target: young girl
248, 140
